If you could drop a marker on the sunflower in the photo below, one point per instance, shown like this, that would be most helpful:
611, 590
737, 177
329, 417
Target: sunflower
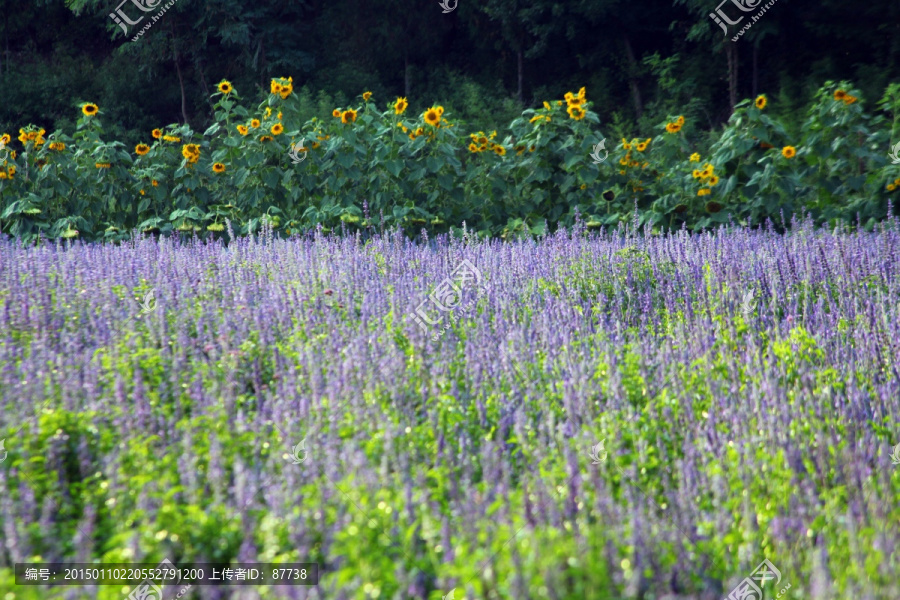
191, 152
680, 121
336, 113
891, 187
278, 116
275, 87
218, 167
58, 146
440, 110
90, 109
713, 207
575, 112
225, 87
348, 116
432, 117
703, 192
849, 99
789, 152
277, 129
625, 144
420, 131
547, 106
286, 90
761, 102
156, 133
840, 94
266, 138
141, 149
268, 112
473, 147
242, 129
171, 138
254, 124
673, 127
713, 180
366, 96
583, 186
102, 165
641, 146
499, 150
706, 172
400, 106
154, 183
695, 157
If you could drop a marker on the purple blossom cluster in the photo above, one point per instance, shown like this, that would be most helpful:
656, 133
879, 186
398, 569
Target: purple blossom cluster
613, 415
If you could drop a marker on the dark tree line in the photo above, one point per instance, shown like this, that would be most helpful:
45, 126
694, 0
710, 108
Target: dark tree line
485, 60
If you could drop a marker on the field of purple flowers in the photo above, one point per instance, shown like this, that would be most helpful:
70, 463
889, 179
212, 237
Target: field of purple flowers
597, 416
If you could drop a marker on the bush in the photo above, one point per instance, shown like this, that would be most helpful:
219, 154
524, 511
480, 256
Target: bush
366, 166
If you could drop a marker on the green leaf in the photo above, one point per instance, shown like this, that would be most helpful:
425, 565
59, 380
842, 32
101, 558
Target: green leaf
394, 167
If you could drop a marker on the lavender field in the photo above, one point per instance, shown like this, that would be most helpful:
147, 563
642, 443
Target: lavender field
603, 415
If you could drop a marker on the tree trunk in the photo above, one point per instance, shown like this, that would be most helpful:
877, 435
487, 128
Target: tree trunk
406, 74
520, 94
755, 71
632, 76
198, 64
732, 56
180, 76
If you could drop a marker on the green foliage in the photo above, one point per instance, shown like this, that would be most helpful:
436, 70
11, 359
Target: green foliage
371, 167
